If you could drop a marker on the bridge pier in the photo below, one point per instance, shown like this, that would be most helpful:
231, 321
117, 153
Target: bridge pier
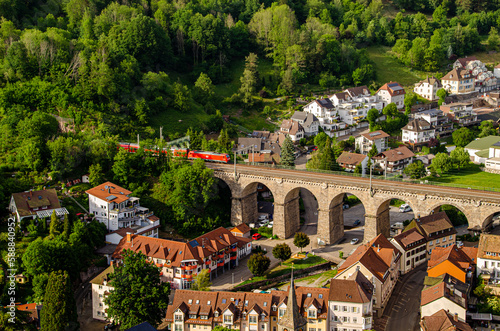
244, 209
331, 224
377, 223
286, 218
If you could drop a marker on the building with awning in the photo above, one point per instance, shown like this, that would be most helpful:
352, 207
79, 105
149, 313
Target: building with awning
32, 204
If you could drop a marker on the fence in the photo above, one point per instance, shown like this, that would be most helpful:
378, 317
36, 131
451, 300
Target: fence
390, 177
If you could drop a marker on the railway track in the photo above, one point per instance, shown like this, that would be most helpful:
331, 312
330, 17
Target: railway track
376, 183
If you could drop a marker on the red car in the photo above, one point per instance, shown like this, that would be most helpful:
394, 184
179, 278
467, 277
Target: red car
256, 236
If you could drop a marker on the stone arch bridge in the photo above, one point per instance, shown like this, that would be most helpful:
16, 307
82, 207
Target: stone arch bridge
329, 190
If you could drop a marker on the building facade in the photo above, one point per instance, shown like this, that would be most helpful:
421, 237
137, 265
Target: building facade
350, 303
113, 206
293, 129
488, 258
458, 81
218, 251
100, 289
418, 132
428, 88
309, 122
378, 261
461, 113
413, 248
366, 141
394, 159
35, 204
392, 92
436, 118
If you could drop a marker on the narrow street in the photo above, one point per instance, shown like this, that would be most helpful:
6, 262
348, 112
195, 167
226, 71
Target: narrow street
403, 308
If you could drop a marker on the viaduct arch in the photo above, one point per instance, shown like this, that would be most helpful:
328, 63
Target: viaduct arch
478, 206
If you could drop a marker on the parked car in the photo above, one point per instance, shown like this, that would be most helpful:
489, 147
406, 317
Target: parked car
252, 225
354, 241
404, 208
270, 225
263, 218
357, 222
256, 236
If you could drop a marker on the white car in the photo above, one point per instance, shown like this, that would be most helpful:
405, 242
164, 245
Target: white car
354, 241
270, 225
404, 208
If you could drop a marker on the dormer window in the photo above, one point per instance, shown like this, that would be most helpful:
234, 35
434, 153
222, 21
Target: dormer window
228, 319
197, 302
192, 316
275, 308
311, 313
190, 301
265, 304
216, 314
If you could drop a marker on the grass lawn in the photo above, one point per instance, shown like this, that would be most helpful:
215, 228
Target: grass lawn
285, 268
173, 120
472, 177
486, 58
389, 69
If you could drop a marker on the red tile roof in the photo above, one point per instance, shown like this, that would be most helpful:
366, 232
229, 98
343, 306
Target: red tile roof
347, 158
354, 289
376, 256
443, 321
242, 228
103, 193
393, 88
463, 259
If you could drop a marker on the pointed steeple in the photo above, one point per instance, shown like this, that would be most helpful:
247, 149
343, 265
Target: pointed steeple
292, 320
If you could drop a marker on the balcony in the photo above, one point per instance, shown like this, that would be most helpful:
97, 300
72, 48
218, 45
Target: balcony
221, 256
186, 276
234, 250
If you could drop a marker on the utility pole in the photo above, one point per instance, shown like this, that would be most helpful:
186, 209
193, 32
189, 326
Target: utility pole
371, 167
235, 165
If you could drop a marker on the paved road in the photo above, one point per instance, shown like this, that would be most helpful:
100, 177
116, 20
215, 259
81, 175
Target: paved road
376, 183
404, 305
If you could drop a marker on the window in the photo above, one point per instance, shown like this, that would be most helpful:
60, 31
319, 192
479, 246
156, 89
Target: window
100, 304
252, 319
354, 309
335, 308
282, 312
192, 315
178, 318
100, 295
311, 313
312, 329
208, 303
178, 327
223, 301
344, 308
228, 319
100, 287
437, 241
345, 319
194, 326
262, 326
335, 318
444, 239
274, 319
98, 313
355, 320
430, 243
451, 237
274, 308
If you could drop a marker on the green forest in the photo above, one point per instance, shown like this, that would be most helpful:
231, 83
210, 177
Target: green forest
78, 76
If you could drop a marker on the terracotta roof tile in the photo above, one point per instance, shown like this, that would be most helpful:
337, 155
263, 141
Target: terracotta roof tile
395, 154
348, 158
443, 321
26, 201
489, 243
119, 193
354, 289
455, 255
242, 228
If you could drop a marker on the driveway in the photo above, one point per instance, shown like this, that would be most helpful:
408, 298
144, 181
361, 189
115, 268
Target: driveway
404, 305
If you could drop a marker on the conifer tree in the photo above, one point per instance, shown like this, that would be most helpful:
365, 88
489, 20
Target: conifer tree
59, 306
66, 226
327, 161
287, 153
54, 225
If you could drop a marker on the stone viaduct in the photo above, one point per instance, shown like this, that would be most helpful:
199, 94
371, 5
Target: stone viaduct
329, 190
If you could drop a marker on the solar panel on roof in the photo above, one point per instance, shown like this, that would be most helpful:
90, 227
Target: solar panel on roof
194, 243
111, 197
373, 134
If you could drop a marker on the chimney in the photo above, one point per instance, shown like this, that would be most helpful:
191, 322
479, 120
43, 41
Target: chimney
129, 237
109, 190
455, 317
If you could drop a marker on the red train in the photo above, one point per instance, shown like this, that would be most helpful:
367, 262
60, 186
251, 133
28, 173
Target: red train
185, 153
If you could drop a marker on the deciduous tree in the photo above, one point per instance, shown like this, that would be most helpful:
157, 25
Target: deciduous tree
301, 240
201, 282
258, 264
137, 278
462, 137
282, 252
460, 157
441, 162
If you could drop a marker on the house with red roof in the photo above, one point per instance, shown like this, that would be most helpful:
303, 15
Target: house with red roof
392, 92
378, 261
457, 262
114, 206
218, 251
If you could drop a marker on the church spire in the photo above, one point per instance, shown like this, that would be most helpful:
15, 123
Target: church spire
292, 320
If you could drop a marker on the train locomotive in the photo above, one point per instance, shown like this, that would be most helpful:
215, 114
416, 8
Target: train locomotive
181, 153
